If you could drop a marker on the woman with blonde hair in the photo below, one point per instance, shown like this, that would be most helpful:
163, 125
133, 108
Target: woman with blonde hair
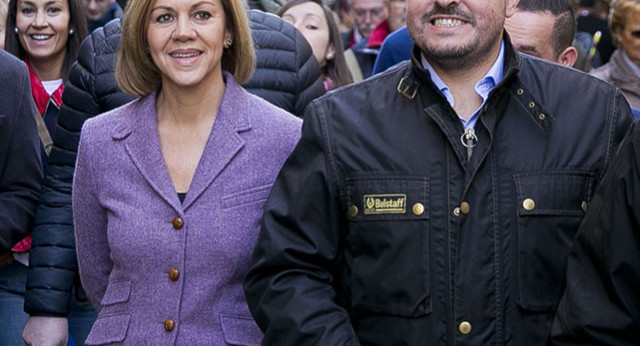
169, 189
623, 69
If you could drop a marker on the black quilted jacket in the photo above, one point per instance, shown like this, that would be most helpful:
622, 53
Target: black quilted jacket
287, 75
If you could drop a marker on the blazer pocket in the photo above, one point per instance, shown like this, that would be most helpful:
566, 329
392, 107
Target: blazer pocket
253, 195
550, 207
109, 329
240, 330
116, 297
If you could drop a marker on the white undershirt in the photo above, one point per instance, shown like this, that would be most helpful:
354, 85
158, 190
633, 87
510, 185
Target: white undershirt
51, 85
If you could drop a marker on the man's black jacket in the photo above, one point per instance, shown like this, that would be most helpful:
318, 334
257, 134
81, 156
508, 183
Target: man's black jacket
380, 229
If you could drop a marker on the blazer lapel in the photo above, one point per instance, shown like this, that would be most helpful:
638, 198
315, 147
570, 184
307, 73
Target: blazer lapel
224, 142
143, 146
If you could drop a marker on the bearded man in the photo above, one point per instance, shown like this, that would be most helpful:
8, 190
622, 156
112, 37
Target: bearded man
436, 203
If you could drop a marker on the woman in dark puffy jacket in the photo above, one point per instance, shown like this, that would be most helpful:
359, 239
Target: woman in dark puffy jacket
286, 75
46, 35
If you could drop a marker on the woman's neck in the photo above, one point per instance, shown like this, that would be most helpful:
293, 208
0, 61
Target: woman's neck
189, 106
49, 68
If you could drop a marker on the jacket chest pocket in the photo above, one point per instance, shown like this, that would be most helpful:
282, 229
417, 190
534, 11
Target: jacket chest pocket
388, 241
551, 206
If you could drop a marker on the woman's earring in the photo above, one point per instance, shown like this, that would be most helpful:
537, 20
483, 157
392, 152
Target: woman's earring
227, 43
71, 31
15, 30
329, 56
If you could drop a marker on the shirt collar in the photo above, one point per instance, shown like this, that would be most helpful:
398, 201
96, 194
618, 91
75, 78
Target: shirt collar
482, 87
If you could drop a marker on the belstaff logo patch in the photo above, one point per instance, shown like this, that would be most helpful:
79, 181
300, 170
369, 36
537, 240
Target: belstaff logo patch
385, 204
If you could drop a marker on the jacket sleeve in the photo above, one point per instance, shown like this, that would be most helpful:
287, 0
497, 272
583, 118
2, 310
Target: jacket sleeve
90, 223
21, 167
53, 266
601, 304
290, 286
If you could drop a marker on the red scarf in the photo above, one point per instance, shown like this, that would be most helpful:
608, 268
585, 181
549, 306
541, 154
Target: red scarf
41, 98
40, 95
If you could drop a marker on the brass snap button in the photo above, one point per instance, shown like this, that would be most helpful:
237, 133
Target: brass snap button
353, 211
528, 204
465, 327
418, 209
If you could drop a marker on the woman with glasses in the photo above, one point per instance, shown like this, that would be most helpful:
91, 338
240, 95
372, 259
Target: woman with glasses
623, 69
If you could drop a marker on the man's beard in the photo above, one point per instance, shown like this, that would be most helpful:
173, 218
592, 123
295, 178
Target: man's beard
454, 56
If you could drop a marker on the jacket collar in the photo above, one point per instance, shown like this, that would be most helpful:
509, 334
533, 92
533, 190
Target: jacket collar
40, 95
138, 130
512, 83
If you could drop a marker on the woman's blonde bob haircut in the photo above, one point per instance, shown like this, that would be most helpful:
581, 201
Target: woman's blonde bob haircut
137, 74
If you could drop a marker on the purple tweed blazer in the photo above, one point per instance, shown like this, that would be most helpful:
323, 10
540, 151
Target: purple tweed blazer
139, 264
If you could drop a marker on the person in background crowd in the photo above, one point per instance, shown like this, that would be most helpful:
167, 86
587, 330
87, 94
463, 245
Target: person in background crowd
200, 154
601, 304
436, 202
100, 12
286, 75
342, 9
545, 29
46, 35
623, 69
316, 22
368, 14
20, 179
4, 5
395, 48
592, 17
394, 22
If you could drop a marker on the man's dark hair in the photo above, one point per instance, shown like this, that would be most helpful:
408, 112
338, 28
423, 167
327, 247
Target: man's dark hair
564, 28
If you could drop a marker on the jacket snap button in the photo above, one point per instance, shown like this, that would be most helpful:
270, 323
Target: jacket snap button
465, 327
177, 222
520, 91
174, 274
532, 104
418, 209
353, 211
464, 208
456, 211
528, 204
169, 324
542, 116
584, 206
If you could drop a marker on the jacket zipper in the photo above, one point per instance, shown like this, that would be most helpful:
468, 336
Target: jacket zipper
469, 140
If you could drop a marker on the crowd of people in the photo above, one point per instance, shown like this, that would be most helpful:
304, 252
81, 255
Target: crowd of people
313, 172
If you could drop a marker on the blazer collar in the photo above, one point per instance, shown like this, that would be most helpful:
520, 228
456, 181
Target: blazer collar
140, 134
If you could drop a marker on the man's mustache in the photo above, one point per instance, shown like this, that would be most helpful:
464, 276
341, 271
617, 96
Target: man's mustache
452, 10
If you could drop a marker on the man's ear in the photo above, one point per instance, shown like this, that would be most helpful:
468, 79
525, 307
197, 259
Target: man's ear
568, 56
510, 7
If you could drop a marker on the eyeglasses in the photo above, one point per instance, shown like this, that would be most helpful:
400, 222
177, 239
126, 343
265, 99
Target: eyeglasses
635, 33
374, 12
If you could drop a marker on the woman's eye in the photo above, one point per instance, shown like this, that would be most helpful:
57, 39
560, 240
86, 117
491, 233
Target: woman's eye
163, 18
27, 10
202, 15
311, 27
53, 10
